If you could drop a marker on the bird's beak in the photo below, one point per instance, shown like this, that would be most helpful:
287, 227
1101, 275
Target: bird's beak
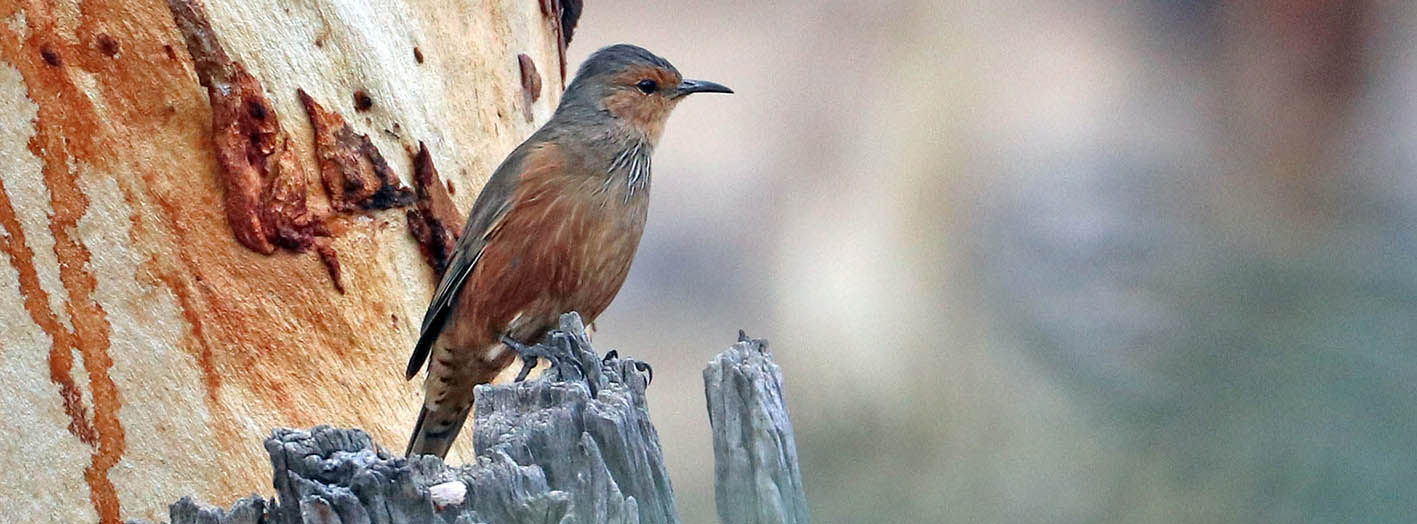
700, 86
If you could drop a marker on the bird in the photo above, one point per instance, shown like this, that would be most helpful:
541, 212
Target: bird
554, 230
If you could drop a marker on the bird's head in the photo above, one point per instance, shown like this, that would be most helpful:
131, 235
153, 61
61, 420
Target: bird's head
633, 87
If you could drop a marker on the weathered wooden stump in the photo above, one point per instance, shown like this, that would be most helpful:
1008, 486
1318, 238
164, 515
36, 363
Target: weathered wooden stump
571, 446
756, 477
547, 452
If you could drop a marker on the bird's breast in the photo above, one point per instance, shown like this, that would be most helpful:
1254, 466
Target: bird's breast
565, 245
605, 230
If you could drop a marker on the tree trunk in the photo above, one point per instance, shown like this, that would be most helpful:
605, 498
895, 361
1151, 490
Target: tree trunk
186, 262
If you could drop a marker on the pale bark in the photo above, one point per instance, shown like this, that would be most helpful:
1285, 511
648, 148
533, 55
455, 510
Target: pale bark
145, 350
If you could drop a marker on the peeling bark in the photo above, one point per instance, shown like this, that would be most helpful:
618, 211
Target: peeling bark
264, 182
356, 176
564, 15
435, 222
531, 84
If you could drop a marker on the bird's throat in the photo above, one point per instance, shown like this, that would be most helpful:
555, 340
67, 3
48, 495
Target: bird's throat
630, 168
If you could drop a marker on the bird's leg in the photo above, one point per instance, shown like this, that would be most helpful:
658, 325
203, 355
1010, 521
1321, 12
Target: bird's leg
527, 364
529, 355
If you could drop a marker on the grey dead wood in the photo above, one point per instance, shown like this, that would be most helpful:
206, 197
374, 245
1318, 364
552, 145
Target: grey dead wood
756, 476
562, 448
572, 446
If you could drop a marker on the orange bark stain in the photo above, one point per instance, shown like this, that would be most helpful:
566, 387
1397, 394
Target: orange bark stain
36, 301
355, 174
64, 137
270, 343
434, 222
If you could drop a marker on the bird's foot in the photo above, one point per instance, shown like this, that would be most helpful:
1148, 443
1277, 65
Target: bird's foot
559, 352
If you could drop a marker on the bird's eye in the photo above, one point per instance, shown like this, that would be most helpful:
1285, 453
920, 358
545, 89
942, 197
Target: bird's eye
647, 86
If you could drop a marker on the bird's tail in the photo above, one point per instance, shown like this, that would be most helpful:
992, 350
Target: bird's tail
451, 391
436, 430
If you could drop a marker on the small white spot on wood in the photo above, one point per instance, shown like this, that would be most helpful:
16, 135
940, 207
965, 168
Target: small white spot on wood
448, 494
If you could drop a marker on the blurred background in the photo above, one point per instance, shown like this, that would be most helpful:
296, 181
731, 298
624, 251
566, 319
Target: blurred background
1060, 261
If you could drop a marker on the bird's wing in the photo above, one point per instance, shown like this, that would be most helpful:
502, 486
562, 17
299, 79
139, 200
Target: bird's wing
492, 204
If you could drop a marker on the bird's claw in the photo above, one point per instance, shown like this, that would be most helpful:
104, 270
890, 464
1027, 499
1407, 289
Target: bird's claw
560, 349
644, 367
